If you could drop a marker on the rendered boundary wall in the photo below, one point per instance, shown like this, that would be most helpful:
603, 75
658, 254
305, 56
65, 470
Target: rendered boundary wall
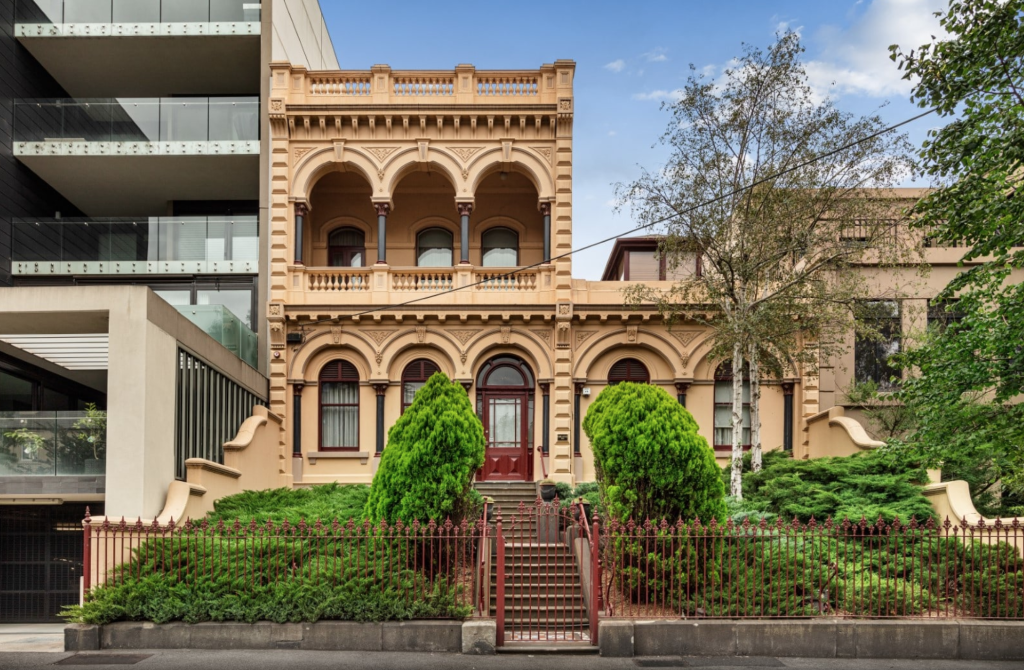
828, 638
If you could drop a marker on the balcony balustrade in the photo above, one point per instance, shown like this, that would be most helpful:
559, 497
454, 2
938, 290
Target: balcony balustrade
97, 18
40, 444
136, 126
130, 246
221, 324
383, 285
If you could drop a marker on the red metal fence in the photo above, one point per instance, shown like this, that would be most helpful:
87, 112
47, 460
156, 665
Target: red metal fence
412, 563
546, 573
862, 569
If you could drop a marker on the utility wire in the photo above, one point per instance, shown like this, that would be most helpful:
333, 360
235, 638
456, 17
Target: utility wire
501, 277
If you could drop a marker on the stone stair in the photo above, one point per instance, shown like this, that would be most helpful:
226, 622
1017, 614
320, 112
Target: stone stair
543, 592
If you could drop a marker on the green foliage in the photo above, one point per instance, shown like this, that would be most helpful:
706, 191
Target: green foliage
869, 485
326, 502
968, 375
651, 462
433, 451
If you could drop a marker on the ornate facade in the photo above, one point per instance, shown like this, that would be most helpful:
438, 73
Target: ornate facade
400, 202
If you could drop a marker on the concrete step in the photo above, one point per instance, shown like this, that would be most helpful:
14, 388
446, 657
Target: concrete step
545, 648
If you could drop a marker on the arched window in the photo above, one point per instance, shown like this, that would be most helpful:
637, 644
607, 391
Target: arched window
414, 377
339, 406
434, 248
500, 248
346, 248
723, 407
629, 370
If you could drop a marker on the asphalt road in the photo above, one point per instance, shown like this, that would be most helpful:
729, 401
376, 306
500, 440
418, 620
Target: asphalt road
313, 660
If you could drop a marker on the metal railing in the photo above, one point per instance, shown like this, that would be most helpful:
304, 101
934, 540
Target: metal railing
41, 444
846, 569
136, 11
198, 119
134, 245
426, 564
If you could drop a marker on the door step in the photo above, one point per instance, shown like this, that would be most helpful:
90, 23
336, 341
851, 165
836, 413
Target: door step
545, 648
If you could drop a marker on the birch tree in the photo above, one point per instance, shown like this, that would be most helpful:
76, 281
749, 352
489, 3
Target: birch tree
769, 186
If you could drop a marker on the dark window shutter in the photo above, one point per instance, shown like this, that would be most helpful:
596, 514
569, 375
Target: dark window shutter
419, 370
339, 371
629, 370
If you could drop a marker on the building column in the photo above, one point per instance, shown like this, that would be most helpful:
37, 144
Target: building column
383, 209
545, 210
380, 389
681, 389
545, 419
465, 209
301, 211
297, 419
576, 450
787, 416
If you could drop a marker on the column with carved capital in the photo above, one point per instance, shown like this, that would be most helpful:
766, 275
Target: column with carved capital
297, 420
383, 209
301, 211
787, 416
380, 389
545, 211
465, 209
681, 389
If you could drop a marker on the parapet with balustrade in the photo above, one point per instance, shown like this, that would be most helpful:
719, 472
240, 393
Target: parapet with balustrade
551, 84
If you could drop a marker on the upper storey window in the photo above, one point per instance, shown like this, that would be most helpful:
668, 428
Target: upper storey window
347, 248
434, 248
500, 248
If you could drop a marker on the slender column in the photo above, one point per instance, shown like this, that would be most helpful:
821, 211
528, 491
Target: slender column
297, 419
465, 209
301, 210
787, 416
681, 389
576, 418
545, 210
545, 419
380, 389
383, 209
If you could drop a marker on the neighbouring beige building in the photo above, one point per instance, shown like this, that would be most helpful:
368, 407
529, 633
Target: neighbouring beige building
400, 203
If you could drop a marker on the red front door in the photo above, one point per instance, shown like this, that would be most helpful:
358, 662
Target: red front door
506, 429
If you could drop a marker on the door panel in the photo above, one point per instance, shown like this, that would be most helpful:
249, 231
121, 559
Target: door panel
507, 454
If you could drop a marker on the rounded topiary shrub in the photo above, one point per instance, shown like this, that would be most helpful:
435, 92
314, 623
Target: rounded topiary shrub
650, 460
433, 451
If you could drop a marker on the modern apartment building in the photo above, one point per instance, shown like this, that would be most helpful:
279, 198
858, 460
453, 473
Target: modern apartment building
134, 182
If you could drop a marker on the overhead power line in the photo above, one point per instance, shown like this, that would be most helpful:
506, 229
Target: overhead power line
646, 226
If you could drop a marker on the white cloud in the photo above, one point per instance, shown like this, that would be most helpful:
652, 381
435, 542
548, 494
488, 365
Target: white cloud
616, 66
855, 60
656, 55
659, 94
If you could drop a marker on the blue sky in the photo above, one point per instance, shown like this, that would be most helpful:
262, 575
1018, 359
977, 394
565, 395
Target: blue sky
630, 56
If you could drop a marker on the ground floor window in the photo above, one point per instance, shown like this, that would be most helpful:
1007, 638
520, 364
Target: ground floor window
414, 377
723, 407
339, 406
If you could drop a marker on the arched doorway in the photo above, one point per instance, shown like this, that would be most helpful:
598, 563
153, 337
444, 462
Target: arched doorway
504, 403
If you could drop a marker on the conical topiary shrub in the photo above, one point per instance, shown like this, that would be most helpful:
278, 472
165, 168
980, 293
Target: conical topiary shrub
650, 460
433, 451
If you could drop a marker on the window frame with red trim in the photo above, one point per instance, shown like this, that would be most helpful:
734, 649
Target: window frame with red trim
417, 371
337, 371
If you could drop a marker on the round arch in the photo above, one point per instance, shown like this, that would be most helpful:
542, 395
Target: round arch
406, 161
324, 233
523, 162
321, 162
525, 344
313, 353
399, 351
651, 351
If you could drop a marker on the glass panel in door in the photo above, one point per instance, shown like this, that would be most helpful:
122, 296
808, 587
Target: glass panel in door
505, 423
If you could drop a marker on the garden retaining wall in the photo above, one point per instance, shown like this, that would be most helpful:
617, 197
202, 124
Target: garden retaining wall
830, 638
471, 637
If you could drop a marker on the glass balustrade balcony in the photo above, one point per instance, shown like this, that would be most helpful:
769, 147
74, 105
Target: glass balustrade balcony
125, 246
62, 12
137, 120
39, 444
221, 324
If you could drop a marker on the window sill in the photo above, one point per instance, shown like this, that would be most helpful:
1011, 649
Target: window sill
363, 456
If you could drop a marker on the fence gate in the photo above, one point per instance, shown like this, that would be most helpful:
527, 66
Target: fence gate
543, 555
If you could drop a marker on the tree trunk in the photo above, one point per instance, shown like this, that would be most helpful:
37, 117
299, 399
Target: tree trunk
755, 410
736, 479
